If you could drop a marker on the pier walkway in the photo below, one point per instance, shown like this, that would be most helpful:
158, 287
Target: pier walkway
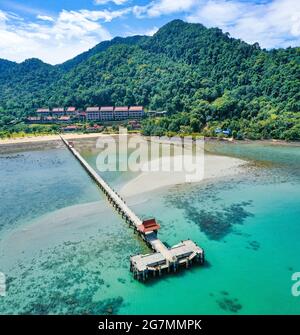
163, 258
109, 192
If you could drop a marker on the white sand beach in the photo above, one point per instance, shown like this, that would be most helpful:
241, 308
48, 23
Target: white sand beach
214, 167
208, 166
46, 138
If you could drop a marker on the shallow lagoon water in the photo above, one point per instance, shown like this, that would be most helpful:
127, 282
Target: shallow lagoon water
64, 250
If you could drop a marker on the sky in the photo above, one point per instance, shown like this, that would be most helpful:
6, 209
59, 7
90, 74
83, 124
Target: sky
57, 30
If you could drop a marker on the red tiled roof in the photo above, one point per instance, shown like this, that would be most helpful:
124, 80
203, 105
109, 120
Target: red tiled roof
92, 109
121, 109
149, 225
136, 108
107, 109
71, 109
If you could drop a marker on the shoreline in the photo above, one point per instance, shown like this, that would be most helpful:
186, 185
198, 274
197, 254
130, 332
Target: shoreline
55, 137
45, 138
247, 141
39, 142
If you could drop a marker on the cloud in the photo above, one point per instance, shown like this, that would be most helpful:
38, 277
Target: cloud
221, 12
3, 16
272, 24
163, 7
45, 18
103, 2
56, 38
105, 15
132, 31
151, 32
69, 34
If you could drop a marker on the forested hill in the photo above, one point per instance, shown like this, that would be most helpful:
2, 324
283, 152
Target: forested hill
202, 77
132, 40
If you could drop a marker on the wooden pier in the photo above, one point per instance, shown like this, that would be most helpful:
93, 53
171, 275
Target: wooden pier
163, 259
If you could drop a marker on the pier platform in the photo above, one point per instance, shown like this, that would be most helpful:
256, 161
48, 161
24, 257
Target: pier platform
184, 254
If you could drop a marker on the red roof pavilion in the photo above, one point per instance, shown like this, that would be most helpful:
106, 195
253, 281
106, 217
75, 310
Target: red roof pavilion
148, 226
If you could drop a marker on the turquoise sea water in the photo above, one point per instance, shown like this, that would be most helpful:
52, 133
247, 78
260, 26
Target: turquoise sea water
64, 250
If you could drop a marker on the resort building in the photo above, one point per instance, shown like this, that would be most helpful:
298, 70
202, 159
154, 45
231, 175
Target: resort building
157, 113
161, 113
221, 131
94, 129
136, 112
64, 118
93, 113
121, 113
71, 111
107, 113
33, 119
43, 112
82, 116
60, 111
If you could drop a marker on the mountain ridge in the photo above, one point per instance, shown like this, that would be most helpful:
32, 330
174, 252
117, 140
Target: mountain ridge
102, 46
183, 68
